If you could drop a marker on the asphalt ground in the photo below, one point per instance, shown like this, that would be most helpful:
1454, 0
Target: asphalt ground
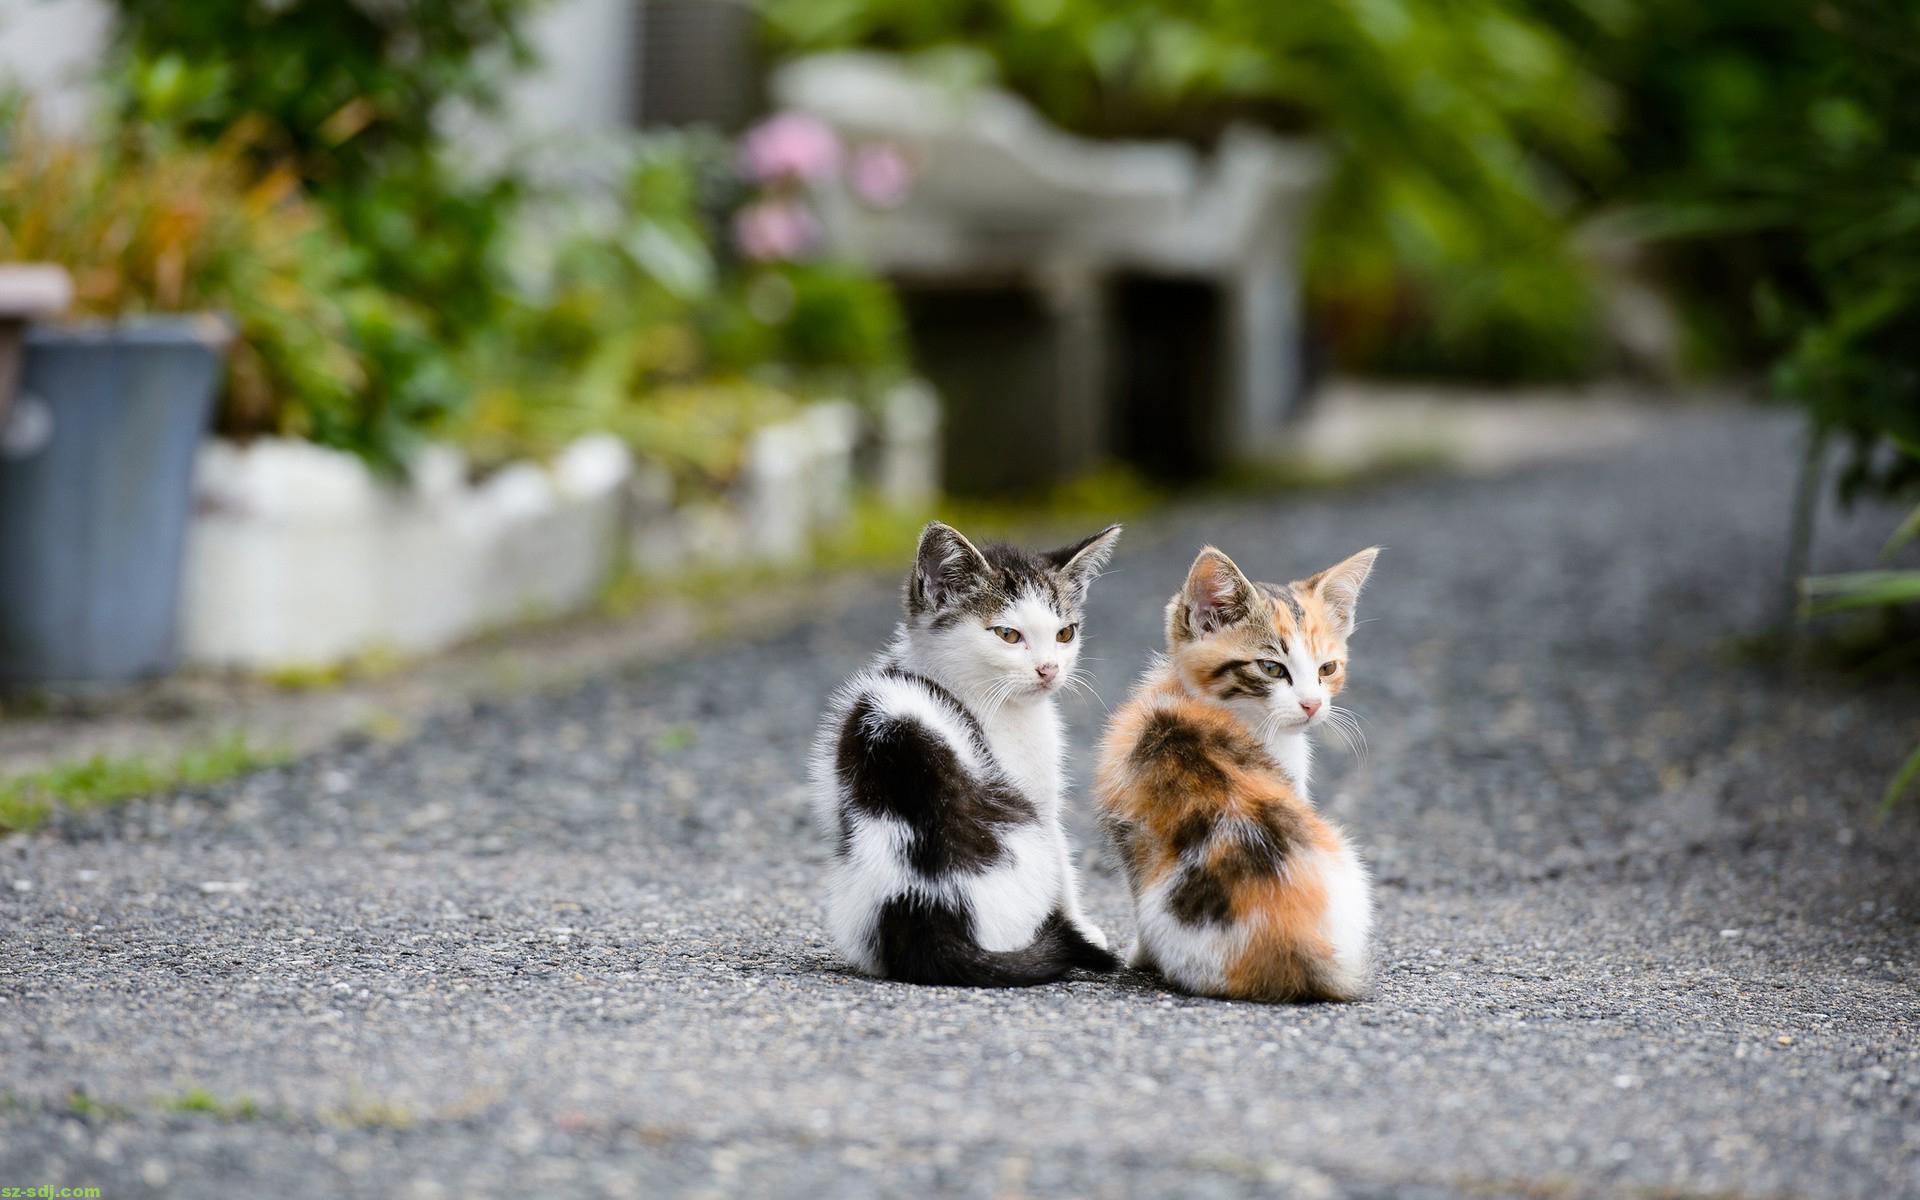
1641, 929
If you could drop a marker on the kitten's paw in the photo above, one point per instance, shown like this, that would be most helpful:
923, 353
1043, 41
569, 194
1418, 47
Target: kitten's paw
1138, 959
1094, 934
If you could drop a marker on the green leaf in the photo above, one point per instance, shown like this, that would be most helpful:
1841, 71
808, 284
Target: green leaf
1905, 778
1860, 589
1909, 529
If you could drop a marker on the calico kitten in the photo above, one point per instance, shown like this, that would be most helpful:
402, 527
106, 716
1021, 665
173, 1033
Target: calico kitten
936, 773
1240, 888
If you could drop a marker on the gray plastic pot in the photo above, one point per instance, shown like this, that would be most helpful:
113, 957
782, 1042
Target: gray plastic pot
96, 474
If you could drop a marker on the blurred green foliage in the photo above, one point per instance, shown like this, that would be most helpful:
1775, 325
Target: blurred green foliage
351, 96
1886, 590
485, 306
345, 97
1776, 147
1461, 130
345, 89
637, 319
342, 95
1775, 150
146, 225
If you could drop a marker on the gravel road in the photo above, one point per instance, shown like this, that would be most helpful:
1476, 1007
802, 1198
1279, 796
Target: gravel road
1641, 932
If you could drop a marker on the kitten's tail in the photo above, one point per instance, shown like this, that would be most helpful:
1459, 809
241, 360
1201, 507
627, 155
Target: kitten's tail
928, 942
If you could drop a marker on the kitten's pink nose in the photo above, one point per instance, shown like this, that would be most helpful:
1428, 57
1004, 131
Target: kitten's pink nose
1310, 707
1047, 671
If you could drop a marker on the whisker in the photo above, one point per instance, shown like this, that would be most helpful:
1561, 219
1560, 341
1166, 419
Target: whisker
1008, 687
1079, 679
1346, 739
1269, 725
1347, 722
997, 693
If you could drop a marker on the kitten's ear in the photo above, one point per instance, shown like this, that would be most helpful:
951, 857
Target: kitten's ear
1339, 586
1081, 562
945, 567
1216, 596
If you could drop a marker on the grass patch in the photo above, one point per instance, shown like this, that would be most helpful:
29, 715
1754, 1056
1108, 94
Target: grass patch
86, 1107
375, 662
360, 1112
365, 1112
26, 801
201, 1102
674, 737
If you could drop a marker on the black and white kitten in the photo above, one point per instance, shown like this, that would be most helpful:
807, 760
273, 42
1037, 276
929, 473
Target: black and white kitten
936, 772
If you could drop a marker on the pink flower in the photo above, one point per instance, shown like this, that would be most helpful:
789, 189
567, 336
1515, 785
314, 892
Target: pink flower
790, 146
880, 175
775, 230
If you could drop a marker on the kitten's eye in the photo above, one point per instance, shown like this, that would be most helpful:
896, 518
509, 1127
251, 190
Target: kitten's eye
1328, 668
1277, 670
1010, 636
1065, 635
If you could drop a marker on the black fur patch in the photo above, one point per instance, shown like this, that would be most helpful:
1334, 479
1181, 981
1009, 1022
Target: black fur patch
1019, 572
1247, 680
915, 935
1177, 754
1250, 849
1263, 845
1193, 831
1200, 897
896, 767
919, 940
1173, 746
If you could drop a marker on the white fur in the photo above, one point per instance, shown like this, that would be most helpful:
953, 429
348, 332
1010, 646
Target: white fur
873, 872
1010, 901
1348, 923
1291, 749
1193, 956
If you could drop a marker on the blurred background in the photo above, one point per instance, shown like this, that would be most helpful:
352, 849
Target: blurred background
335, 329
